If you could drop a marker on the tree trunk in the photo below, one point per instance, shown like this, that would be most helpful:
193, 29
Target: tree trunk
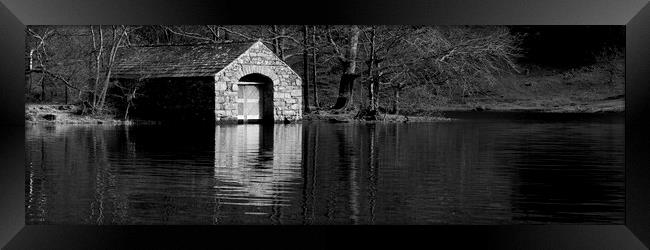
346, 84
126, 112
276, 41
372, 88
375, 84
43, 90
129, 100
98, 64
342, 101
226, 35
29, 74
396, 101
305, 70
117, 40
29, 86
281, 44
313, 44
104, 92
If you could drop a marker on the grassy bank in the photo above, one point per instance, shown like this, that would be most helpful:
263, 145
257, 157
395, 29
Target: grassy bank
589, 89
606, 105
64, 114
595, 88
336, 117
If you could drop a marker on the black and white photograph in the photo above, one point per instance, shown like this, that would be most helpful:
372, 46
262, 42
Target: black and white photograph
324, 125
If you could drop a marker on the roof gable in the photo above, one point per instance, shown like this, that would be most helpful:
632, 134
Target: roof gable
259, 47
282, 62
176, 60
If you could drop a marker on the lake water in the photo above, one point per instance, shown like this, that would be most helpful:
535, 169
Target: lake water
479, 169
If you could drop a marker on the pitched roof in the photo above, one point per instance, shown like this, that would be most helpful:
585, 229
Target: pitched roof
176, 60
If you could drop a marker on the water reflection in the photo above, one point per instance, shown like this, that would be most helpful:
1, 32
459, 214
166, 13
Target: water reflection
406, 174
257, 165
472, 171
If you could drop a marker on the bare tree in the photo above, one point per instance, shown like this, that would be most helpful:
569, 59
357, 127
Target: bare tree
314, 74
105, 60
39, 54
461, 58
348, 60
385, 53
373, 78
129, 94
57, 65
305, 69
277, 42
457, 58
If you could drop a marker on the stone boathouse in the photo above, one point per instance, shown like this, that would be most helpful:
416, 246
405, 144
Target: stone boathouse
223, 82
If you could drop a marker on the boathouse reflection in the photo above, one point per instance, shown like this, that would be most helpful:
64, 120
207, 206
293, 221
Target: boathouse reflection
256, 165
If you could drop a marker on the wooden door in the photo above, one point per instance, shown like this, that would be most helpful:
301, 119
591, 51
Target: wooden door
248, 101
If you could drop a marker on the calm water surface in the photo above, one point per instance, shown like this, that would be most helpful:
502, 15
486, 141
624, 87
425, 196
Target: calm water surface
480, 169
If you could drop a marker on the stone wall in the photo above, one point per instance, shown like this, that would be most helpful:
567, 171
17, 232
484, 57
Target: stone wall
287, 85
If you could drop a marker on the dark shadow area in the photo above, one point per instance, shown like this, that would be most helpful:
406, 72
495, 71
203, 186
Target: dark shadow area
170, 100
576, 45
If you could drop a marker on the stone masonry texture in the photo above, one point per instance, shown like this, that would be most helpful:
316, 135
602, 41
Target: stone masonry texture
258, 59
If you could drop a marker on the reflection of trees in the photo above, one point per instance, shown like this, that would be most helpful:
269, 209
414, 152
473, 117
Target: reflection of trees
308, 159
73, 181
373, 172
345, 137
35, 204
396, 174
334, 170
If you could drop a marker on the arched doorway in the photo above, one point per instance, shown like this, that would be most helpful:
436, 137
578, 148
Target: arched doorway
255, 98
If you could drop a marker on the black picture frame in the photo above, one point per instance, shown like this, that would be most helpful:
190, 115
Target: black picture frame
634, 14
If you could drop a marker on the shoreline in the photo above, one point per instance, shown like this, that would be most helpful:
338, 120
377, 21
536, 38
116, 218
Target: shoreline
604, 106
529, 110
53, 114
